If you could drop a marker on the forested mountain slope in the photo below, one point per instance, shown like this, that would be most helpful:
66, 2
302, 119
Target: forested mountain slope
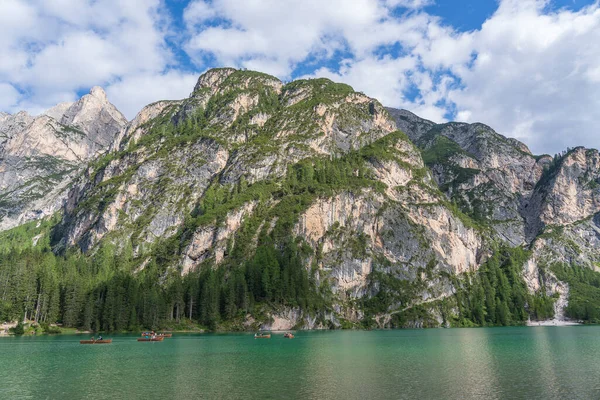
254, 203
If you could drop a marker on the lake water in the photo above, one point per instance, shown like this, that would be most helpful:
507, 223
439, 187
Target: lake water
494, 363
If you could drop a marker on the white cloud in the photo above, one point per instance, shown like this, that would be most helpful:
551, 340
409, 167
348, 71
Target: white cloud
283, 32
8, 96
412, 4
198, 12
529, 71
54, 48
534, 77
131, 94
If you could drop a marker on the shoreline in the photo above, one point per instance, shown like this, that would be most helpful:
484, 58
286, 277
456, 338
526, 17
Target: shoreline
553, 322
545, 323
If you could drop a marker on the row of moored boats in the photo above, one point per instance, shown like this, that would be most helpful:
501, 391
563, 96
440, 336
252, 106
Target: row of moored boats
146, 337
159, 337
287, 335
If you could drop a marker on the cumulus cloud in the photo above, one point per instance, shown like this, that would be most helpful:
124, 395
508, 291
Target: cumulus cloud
131, 94
53, 49
534, 75
530, 71
280, 33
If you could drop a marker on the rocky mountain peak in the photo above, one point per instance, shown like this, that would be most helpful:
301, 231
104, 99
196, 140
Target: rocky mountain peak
221, 80
11, 123
99, 93
40, 155
411, 124
95, 98
212, 78
96, 116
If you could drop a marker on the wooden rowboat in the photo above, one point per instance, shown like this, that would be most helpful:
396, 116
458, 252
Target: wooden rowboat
156, 339
103, 341
262, 336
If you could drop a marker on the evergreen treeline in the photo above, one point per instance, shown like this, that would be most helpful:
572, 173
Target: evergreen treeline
584, 291
101, 293
497, 294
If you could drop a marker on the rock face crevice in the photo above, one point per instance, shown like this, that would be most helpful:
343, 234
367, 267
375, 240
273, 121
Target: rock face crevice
498, 181
549, 205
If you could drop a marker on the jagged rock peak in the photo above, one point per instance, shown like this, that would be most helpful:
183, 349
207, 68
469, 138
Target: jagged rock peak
213, 78
96, 94
96, 116
421, 131
99, 93
219, 79
11, 123
39, 156
414, 126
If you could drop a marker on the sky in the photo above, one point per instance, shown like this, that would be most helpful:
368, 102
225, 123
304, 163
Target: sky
530, 69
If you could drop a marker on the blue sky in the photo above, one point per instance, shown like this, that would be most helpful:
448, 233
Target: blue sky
528, 68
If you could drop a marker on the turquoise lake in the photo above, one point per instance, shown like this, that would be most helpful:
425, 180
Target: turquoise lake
486, 363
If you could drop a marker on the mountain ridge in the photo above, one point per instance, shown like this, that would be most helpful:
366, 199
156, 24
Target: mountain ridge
36, 153
258, 203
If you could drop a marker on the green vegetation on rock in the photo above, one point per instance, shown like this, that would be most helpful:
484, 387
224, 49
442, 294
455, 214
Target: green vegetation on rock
584, 291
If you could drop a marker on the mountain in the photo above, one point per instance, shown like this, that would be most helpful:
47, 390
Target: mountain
40, 156
255, 203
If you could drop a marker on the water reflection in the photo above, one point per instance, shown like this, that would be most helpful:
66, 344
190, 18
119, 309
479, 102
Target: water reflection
342, 364
469, 369
545, 376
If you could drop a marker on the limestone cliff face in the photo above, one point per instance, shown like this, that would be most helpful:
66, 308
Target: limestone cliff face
39, 156
572, 192
549, 205
491, 177
404, 230
147, 195
565, 210
355, 235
